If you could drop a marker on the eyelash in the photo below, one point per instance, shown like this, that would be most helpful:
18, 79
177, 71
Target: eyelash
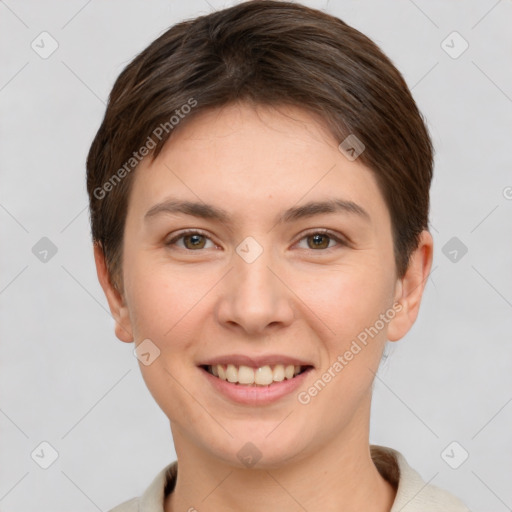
341, 242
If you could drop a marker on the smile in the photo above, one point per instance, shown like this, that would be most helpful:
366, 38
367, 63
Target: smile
249, 376
255, 379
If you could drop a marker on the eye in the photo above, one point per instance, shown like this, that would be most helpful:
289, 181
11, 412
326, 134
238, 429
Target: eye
320, 239
195, 240
192, 240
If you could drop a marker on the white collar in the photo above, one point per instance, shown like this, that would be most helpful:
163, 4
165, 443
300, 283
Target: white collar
413, 494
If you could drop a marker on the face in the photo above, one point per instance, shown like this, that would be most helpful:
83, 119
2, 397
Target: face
227, 260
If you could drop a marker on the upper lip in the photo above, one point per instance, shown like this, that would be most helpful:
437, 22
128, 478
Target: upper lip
255, 361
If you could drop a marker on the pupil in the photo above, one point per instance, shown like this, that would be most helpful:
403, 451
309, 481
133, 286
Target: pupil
318, 240
195, 240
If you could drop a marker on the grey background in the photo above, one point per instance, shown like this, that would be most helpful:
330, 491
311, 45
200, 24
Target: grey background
67, 380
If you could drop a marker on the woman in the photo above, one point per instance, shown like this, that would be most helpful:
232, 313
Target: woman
259, 197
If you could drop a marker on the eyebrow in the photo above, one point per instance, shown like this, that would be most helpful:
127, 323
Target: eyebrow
207, 211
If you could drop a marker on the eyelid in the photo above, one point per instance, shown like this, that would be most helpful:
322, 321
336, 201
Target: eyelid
185, 232
340, 239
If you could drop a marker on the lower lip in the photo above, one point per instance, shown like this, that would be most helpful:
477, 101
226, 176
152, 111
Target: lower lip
256, 395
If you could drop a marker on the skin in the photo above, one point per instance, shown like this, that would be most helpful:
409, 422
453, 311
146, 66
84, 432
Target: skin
294, 299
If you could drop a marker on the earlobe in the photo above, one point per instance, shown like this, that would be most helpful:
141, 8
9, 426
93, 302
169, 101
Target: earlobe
410, 288
116, 302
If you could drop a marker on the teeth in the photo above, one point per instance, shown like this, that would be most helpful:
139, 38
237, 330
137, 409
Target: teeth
289, 371
278, 373
231, 373
262, 376
246, 375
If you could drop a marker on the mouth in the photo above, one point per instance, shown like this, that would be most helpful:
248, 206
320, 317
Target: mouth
262, 376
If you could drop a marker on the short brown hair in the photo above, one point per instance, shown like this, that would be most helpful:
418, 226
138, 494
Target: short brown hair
270, 53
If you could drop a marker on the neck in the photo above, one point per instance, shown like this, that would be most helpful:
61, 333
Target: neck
340, 475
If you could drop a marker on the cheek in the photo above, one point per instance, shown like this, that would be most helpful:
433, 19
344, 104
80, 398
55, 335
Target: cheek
351, 306
347, 300
164, 308
161, 297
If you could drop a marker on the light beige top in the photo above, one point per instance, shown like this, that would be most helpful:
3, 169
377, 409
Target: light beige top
413, 494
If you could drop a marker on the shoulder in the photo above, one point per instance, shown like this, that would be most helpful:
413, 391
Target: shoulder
152, 500
127, 506
413, 493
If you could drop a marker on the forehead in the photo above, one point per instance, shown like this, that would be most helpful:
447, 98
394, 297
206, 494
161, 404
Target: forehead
240, 156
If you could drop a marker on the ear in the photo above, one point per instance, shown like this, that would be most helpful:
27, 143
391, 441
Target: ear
116, 301
410, 288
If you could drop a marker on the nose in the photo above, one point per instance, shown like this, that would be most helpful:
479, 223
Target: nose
255, 297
